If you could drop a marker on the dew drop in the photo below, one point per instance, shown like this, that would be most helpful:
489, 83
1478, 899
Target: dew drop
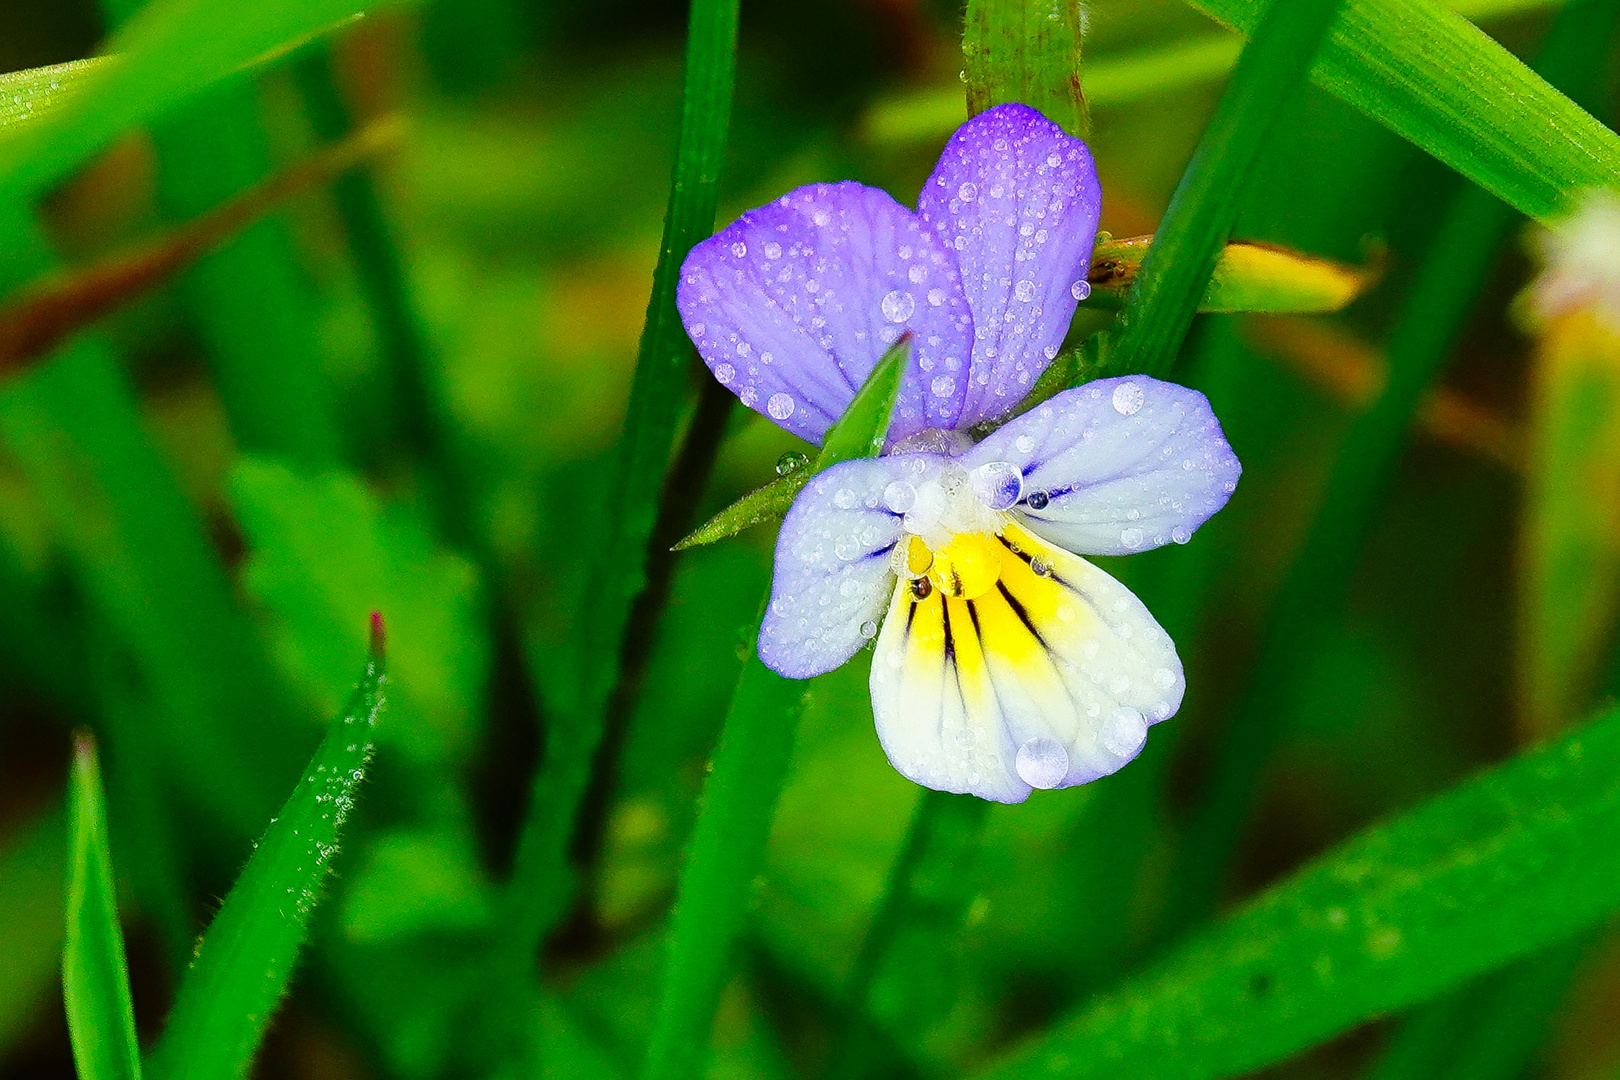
1180, 535
790, 463
1124, 731
773, 250
1080, 290
998, 484
725, 373
739, 249
917, 273
1037, 500
1024, 290
1042, 763
968, 191
1128, 398
898, 306
936, 297
1025, 444
1132, 537
780, 406
1164, 678
899, 496
943, 386
869, 629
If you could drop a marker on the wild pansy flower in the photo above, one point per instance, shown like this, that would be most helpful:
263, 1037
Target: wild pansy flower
1005, 661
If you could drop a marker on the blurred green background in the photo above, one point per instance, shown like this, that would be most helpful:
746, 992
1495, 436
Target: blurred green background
190, 577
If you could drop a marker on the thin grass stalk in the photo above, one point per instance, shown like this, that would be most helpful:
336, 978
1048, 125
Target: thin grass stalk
658, 397
1314, 588
1176, 271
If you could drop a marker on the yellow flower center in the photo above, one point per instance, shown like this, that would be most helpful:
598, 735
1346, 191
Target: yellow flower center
967, 567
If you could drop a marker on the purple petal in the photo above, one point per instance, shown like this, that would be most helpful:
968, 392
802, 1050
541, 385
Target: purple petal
1017, 199
793, 305
833, 573
1117, 465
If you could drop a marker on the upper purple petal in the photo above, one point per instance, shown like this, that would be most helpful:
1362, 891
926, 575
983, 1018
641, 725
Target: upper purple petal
794, 304
833, 573
1018, 201
1117, 465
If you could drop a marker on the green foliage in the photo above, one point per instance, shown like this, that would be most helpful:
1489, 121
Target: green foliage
95, 975
1516, 860
1178, 266
763, 504
745, 780
246, 957
1434, 79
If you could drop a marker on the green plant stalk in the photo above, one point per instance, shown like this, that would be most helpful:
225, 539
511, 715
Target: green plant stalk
1433, 78
1029, 53
246, 958
739, 797
1504, 865
1178, 266
1487, 1030
542, 878
95, 975
1314, 587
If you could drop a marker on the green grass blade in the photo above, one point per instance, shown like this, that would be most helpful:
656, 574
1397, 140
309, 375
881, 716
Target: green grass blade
169, 53
95, 975
659, 394
247, 955
1030, 53
1181, 261
1430, 76
1314, 586
29, 95
1500, 867
739, 797
768, 503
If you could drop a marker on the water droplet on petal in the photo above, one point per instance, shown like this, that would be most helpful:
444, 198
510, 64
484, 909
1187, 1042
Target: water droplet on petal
1132, 538
780, 406
998, 484
739, 249
943, 386
1042, 763
790, 463
773, 250
1037, 500
1123, 732
1025, 444
917, 273
968, 191
898, 306
936, 297
1128, 398
899, 496
1039, 567
1024, 291
725, 373
1180, 535
1080, 290
869, 629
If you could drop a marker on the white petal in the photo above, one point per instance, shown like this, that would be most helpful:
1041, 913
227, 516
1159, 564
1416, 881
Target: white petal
1050, 679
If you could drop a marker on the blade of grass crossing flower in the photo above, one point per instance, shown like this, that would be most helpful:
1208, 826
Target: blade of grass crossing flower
246, 958
1178, 266
659, 395
768, 503
1314, 586
95, 975
1433, 78
1511, 862
739, 796
1029, 53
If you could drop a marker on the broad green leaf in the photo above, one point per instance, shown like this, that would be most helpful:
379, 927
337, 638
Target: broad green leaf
739, 797
1247, 277
1500, 867
1018, 51
95, 975
1178, 266
246, 958
1436, 80
322, 553
763, 504
167, 54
